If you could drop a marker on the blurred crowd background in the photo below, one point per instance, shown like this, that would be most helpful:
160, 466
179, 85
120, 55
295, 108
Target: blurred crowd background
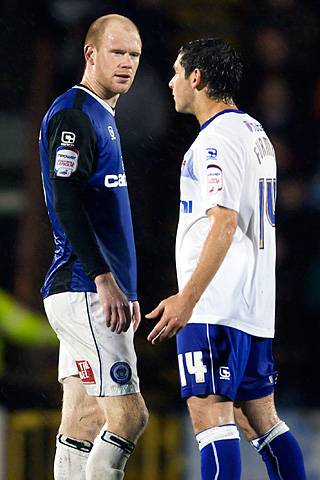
41, 56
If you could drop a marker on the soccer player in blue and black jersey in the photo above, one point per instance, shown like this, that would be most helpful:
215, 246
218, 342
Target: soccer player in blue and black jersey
90, 289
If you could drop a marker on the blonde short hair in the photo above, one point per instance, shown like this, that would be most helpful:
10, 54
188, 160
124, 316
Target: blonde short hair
99, 26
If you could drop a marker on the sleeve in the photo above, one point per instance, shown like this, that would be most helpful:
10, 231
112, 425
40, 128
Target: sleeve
72, 144
221, 171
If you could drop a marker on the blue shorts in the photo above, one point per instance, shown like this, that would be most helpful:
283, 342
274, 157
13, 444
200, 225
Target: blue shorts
219, 360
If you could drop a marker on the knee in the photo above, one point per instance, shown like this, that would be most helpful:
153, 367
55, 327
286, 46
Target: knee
126, 416
144, 417
137, 417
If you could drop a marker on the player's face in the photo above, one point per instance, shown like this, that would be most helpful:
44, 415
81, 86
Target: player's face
181, 89
117, 59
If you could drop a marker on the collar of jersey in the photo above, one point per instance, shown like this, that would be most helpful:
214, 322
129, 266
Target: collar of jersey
227, 110
90, 92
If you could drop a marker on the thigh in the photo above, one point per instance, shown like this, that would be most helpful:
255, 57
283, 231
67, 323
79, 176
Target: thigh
106, 361
212, 359
260, 375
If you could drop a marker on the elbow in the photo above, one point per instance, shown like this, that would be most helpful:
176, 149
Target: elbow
230, 226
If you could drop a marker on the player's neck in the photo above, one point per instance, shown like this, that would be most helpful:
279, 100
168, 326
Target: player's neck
209, 108
109, 97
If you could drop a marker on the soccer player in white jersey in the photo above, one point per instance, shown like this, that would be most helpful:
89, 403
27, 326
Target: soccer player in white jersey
224, 312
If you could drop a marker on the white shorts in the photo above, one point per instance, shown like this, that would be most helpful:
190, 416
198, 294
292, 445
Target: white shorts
105, 361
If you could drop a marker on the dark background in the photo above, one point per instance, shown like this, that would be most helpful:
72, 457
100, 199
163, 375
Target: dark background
41, 56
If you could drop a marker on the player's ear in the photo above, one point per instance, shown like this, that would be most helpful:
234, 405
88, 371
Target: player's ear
196, 81
89, 54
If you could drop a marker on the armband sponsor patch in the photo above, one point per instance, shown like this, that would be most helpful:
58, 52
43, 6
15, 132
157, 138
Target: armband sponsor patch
215, 180
66, 161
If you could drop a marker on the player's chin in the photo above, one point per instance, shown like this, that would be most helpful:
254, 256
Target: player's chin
179, 108
122, 90
123, 87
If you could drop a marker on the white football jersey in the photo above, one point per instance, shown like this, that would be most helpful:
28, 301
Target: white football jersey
231, 164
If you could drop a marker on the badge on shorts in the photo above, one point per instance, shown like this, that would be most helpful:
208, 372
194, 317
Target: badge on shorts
121, 372
224, 373
85, 372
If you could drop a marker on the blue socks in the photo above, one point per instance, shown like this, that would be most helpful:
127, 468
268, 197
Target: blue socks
281, 453
220, 453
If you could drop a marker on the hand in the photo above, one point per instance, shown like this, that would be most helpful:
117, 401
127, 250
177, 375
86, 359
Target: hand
136, 315
174, 313
114, 303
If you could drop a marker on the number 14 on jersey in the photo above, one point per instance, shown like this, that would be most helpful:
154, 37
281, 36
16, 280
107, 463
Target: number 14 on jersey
267, 205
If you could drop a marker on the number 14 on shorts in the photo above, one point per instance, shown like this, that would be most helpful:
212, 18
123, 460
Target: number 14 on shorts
195, 366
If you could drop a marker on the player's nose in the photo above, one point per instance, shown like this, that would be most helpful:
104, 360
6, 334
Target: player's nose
127, 61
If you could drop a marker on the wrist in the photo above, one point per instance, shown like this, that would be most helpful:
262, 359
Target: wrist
103, 278
190, 293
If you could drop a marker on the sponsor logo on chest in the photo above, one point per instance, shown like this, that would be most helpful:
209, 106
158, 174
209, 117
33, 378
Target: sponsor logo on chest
186, 206
114, 180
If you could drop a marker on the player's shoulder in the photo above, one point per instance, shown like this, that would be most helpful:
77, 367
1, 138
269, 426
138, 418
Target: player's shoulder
63, 101
80, 99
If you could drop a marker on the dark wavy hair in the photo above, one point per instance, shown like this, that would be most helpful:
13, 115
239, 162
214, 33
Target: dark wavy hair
219, 63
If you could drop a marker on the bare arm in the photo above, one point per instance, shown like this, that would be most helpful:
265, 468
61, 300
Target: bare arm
175, 311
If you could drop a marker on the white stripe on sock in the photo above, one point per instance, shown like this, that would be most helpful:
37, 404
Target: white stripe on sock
277, 463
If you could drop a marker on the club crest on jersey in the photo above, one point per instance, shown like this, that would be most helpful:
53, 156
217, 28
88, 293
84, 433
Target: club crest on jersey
68, 138
111, 133
85, 372
66, 161
211, 153
214, 175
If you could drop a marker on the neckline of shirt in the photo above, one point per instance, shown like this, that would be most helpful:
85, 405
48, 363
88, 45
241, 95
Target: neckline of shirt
227, 110
102, 102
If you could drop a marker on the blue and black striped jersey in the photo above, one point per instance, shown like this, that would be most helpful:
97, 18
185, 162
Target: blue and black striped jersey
86, 195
